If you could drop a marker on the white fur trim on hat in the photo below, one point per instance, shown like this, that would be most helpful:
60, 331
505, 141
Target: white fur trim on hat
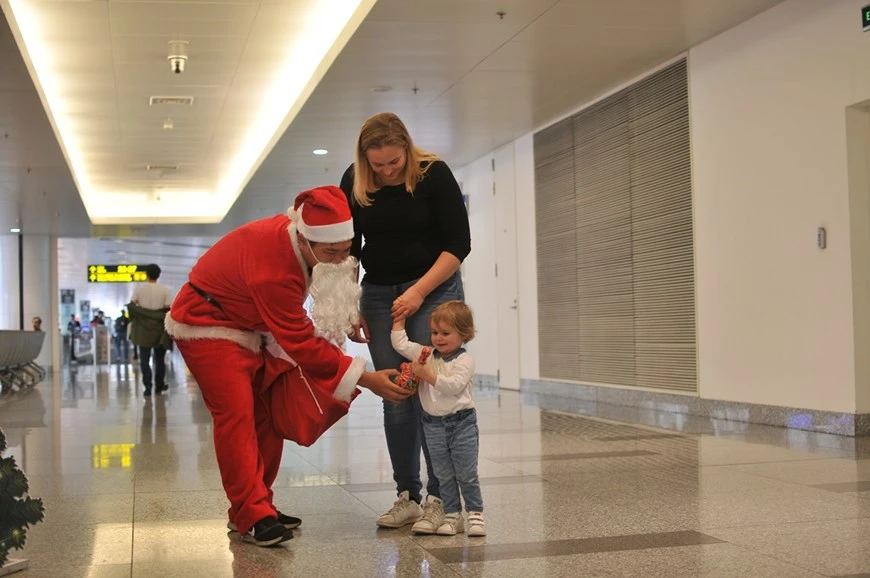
334, 233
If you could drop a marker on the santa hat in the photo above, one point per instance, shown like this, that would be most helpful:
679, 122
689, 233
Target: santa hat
322, 215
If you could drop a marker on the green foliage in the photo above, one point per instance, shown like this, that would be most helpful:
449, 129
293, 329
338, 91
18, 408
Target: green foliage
18, 511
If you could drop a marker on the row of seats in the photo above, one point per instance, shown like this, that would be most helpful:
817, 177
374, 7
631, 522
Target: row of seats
18, 353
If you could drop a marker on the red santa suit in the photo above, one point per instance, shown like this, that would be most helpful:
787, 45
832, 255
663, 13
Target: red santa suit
246, 291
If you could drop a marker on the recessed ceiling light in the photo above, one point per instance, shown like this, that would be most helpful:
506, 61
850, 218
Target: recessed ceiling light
320, 151
382, 88
15, 230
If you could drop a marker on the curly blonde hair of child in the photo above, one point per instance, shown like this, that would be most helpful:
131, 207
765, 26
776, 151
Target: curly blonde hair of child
457, 315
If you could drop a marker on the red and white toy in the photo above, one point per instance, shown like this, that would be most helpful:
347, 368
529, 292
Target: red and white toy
407, 379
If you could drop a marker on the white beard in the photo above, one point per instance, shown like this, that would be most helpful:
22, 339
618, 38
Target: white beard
335, 299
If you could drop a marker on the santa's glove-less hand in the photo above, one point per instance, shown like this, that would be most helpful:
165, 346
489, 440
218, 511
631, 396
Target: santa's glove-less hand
381, 384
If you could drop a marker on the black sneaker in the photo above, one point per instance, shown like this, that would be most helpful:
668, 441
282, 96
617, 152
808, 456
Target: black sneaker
267, 532
288, 522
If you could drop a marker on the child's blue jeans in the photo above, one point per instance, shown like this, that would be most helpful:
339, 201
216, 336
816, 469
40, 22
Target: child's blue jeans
454, 446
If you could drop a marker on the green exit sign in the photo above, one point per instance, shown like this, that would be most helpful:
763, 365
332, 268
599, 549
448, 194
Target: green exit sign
865, 18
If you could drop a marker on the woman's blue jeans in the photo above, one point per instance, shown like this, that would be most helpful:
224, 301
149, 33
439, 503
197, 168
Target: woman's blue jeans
402, 423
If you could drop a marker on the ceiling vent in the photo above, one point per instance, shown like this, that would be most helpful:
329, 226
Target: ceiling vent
180, 100
161, 167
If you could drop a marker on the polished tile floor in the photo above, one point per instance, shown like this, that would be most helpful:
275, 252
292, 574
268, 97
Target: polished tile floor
131, 488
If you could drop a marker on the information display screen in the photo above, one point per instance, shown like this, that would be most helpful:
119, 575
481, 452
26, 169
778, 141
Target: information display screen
116, 274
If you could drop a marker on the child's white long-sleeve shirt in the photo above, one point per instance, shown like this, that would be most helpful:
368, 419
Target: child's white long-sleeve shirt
451, 391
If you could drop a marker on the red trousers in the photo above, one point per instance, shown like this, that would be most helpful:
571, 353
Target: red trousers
248, 448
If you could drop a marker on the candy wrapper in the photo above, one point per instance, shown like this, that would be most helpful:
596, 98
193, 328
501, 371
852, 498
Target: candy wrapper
407, 379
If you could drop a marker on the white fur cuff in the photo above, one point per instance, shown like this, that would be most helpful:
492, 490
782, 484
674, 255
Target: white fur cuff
348, 382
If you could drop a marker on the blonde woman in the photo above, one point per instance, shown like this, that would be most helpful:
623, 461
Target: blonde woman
408, 210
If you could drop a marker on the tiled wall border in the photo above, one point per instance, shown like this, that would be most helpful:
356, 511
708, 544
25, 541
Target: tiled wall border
586, 399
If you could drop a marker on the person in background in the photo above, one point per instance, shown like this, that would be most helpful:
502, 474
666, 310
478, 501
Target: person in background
148, 306
411, 235
99, 318
122, 344
73, 327
37, 323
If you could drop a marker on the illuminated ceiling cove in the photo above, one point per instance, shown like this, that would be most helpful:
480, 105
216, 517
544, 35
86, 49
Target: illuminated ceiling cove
164, 111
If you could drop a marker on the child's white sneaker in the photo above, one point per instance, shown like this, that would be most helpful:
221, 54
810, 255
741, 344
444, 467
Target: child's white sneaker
452, 525
476, 525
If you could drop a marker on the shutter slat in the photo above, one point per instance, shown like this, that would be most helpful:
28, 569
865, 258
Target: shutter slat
615, 244
663, 251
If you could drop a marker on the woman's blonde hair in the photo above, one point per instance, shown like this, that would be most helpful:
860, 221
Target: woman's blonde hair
457, 315
386, 129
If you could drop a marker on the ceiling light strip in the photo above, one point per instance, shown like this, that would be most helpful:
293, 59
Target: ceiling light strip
328, 27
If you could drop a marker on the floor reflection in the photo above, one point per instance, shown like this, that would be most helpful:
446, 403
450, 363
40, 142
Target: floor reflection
570, 489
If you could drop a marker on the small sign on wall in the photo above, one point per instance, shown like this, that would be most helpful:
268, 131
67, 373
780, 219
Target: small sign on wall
865, 18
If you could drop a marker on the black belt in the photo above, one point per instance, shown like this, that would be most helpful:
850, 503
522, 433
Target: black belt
205, 296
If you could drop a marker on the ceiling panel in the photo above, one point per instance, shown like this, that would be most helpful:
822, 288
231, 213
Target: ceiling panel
639, 15
481, 80
194, 1
208, 72
186, 20
460, 11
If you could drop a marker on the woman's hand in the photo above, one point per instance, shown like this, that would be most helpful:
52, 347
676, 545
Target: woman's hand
407, 303
360, 331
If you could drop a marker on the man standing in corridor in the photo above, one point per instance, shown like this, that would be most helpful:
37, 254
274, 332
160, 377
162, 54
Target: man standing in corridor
147, 308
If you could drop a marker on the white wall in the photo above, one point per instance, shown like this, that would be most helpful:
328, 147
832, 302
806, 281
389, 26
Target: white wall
776, 322
527, 255
38, 282
38, 290
478, 270
768, 107
9, 282
858, 138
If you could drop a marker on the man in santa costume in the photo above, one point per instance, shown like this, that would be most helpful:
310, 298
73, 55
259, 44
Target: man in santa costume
243, 303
